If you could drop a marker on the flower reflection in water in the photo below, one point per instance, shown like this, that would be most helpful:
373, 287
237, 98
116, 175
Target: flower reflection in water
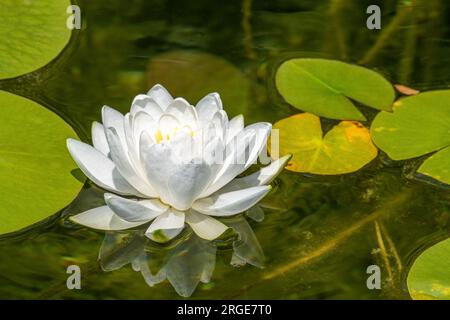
186, 263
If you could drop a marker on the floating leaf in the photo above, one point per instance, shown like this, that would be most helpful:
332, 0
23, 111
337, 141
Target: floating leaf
192, 75
345, 148
429, 276
35, 167
418, 125
407, 91
438, 166
323, 87
32, 33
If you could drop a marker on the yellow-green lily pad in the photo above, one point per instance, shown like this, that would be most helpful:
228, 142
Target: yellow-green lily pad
417, 126
32, 33
193, 75
345, 148
429, 276
437, 166
35, 166
325, 87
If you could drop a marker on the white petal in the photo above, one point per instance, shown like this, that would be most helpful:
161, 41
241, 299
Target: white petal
262, 131
103, 218
124, 165
213, 153
230, 203
143, 103
178, 178
183, 111
208, 106
134, 124
142, 121
245, 149
205, 227
171, 219
161, 96
187, 182
238, 151
168, 124
133, 210
114, 119
220, 123
98, 168
235, 126
183, 147
261, 177
129, 137
158, 164
139, 103
99, 138
266, 174
224, 116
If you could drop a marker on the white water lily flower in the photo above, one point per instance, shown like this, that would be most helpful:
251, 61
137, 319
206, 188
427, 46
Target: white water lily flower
175, 164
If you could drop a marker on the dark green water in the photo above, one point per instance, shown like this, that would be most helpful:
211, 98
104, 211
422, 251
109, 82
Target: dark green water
320, 233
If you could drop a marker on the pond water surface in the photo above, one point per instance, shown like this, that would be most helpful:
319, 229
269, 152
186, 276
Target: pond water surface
320, 233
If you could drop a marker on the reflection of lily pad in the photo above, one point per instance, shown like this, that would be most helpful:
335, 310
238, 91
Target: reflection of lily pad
419, 125
192, 75
35, 167
345, 148
429, 277
32, 33
323, 87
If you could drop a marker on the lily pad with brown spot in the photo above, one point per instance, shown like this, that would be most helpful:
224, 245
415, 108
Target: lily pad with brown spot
429, 276
346, 148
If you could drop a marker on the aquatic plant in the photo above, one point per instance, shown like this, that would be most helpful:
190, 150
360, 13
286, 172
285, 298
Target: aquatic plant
179, 162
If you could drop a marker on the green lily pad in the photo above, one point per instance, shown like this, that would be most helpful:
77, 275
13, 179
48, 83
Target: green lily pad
192, 75
429, 276
325, 87
345, 148
32, 33
437, 166
417, 126
35, 166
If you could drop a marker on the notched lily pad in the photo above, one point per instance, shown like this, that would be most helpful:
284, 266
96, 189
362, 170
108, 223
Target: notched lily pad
192, 75
345, 148
417, 126
35, 167
437, 166
32, 33
323, 87
429, 276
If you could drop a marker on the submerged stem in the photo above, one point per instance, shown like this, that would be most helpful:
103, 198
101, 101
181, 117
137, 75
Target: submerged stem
392, 248
337, 31
382, 40
383, 251
247, 28
409, 52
